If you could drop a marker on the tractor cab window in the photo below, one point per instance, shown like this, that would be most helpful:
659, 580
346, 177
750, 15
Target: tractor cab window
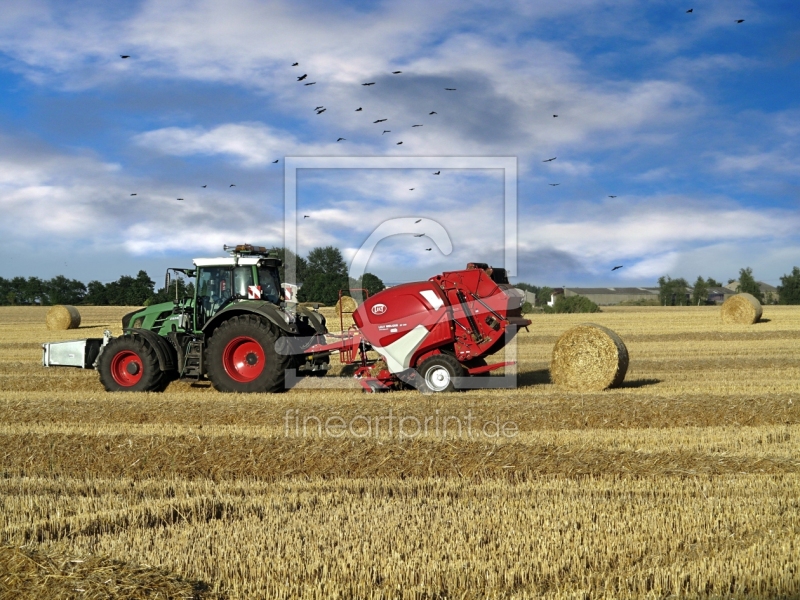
214, 288
242, 279
269, 281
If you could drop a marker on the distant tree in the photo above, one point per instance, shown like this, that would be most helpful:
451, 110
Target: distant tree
368, 281
6, 293
789, 290
672, 292
573, 304
527, 287
184, 290
34, 291
747, 284
325, 276
543, 295
700, 292
130, 291
61, 290
96, 294
713, 282
287, 258
18, 290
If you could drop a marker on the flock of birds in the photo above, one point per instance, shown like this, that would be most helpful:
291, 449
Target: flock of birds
322, 109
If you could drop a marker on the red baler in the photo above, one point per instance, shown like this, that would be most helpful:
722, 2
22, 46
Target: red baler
432, 333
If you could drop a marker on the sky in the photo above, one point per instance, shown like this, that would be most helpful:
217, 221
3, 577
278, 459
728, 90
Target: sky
676, 145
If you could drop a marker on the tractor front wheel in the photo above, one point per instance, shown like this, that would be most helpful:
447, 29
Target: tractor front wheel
438, 373
129, 364
242, 357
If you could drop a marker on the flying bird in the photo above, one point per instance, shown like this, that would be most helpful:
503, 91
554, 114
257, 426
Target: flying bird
450, 89
438, 173
387, 131
319, 112
302, 77
398, 143
396, 72
124, 55
411, 189
554, 116
340, 139
319, 107
740, 20
550, 159
306, 216
433, 112
205, 186
133, 194
553, 184
418, 220
358, 109
617, 267
428, 249
295, 64
418, 234
232, 185
311, 83
180, 199
416, 125
274, 161
379, 121
690, 10
370, 83
612, 196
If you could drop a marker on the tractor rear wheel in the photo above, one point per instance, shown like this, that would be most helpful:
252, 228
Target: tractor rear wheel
438, 373
129, 364
241, 357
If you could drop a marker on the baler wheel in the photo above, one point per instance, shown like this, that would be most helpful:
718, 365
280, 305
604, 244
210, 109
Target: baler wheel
241, 357
129, 364
438, 373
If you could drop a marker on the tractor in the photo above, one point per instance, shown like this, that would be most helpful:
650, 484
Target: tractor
227, 331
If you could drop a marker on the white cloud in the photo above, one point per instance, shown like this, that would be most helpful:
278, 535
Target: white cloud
776, 161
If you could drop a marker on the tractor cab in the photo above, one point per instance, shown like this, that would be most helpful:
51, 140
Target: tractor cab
250, 273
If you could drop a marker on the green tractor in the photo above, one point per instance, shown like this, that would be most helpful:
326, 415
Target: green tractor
237, 330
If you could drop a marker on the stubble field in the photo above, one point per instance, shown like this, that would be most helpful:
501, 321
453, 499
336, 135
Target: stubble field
684, 482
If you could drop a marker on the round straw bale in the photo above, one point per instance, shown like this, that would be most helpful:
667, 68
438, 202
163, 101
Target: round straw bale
589, 358
346, 304
741, 309
62, 316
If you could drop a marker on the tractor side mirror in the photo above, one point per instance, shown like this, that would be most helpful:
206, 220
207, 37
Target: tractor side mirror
167, 280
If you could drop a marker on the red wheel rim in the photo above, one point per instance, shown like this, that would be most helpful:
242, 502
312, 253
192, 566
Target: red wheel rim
243, 359
126, 368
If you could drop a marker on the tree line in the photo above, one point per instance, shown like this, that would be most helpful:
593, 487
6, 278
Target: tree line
322, 274
675, 292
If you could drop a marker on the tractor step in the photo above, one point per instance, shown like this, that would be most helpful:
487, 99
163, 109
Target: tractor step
193, 361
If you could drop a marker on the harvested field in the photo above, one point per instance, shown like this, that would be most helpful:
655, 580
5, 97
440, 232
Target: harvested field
683, 481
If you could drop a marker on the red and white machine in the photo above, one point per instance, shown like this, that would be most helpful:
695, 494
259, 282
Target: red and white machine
432, 333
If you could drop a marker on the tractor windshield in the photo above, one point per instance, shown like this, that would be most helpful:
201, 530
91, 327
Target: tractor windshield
214, 288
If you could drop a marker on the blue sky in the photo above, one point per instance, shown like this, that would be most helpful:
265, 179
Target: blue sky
690, 119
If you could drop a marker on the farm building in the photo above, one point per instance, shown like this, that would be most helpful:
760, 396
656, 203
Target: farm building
769, 292
718, 295
613, 295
